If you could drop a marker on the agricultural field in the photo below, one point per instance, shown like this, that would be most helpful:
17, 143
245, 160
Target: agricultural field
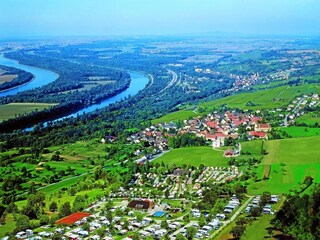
290, 161
269, 98
264, 99
174, 116
13, 110
194, 156
309, 118
297, 132
254, 147
81, 150
7, 78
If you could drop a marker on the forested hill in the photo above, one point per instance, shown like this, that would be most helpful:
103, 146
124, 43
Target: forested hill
300, 216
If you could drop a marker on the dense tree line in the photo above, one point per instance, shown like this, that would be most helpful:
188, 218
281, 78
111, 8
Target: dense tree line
186, 140
299, 217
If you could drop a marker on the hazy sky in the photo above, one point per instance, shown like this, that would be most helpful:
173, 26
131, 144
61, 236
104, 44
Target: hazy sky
136, 17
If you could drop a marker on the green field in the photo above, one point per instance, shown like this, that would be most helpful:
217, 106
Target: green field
309, 118
264, 99
81, 149
9, 226
194, 156
257, 229
179, 115
297, 132
270, 98
291, 161
12, 110
254, 147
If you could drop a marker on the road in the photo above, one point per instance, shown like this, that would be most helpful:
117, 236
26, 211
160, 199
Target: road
285, 121
225, 223
172, 82
235, 215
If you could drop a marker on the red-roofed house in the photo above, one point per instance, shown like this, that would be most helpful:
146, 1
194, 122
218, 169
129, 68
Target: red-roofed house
211, 125
258, 134
255, 119
262, 127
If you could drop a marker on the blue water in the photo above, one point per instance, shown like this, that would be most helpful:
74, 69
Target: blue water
158, 214
43, 77
138, 82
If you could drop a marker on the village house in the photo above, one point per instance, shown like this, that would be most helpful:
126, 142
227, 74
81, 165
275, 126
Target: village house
262, 127
144, 205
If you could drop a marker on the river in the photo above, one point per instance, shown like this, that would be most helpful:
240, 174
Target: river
43, 77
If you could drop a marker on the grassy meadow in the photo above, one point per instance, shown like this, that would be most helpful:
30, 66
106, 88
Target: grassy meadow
309, 118
174, 116
290, 160
298, 132
194, 156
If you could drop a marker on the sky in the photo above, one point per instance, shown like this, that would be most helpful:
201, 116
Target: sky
19, 18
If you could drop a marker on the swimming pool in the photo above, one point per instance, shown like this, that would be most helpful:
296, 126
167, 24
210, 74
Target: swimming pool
159, 214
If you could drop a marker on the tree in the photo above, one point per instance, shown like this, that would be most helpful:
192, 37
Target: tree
22, 223
44, 219
191, 232
12, 208
125, 224
265, 198
79, 203
180, 237
167, 193
57, 236
65, 210
86, 226
202, 220
72, 191
164, 224
237, 231
139, 217
186, 218
101, 232
53, 206
35, 205
109, 216
255, 212
135, 236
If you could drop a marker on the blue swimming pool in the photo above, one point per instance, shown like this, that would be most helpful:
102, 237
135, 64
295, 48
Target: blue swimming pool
159, 214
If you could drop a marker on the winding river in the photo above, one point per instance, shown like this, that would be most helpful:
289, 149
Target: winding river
43, 77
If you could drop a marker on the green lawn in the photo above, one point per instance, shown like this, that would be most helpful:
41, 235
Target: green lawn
12, 110
194, 156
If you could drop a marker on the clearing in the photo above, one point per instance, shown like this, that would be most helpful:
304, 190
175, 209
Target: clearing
13, 110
